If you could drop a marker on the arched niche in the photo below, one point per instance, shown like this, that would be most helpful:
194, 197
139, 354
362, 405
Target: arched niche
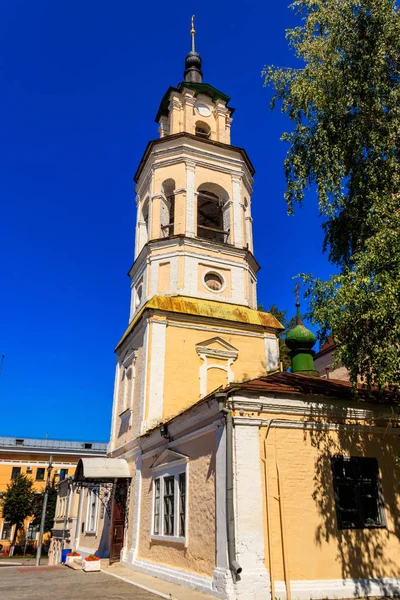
167, 209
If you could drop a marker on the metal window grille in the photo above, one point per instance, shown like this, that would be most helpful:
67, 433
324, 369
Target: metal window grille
358, 493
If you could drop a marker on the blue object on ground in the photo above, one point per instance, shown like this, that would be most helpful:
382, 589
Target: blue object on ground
64, 554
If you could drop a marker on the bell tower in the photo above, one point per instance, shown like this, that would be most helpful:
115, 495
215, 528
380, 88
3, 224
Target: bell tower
193, 324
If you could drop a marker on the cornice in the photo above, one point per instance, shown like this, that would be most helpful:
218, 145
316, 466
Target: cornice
201, 141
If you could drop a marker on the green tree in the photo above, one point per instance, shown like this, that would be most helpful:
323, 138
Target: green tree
344, 102
288, 325
51, 508
17, 503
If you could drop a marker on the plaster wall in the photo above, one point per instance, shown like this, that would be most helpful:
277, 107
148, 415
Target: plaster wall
183, 364
316, 548
198, 555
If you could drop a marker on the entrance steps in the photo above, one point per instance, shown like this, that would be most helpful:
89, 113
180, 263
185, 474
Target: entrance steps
159, 587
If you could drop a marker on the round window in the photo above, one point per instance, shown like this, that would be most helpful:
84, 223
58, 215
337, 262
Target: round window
214, 281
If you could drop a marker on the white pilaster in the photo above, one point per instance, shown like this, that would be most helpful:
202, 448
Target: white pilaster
254, 582
222, 579
237, 216
271, 352
133, 552
190, 203
157, 368
115, 408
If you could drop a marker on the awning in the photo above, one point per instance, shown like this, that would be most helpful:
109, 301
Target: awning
101, 470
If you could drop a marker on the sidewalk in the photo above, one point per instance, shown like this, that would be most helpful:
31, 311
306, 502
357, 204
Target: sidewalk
164, 589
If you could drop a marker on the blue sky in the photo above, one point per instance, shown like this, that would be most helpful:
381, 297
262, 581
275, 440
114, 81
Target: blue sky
80, 86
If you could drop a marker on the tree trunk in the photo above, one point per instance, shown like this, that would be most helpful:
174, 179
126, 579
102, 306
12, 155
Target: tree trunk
17, 528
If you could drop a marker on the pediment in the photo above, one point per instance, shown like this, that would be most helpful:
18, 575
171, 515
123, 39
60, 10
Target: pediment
169, 457
216, 346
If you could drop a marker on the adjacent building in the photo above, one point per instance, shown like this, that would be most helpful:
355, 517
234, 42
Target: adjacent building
29, 456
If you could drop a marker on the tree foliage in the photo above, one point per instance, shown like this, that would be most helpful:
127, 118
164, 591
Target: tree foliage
17, 502
50, 510
345, 107
288, 325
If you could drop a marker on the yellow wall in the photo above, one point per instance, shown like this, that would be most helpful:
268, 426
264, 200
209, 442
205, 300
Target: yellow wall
199, 555
316, 549
181, 356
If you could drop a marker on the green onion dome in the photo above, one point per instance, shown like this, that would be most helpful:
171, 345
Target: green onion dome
300, 337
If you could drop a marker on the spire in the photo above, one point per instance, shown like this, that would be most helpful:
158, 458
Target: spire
193, 72
300, 341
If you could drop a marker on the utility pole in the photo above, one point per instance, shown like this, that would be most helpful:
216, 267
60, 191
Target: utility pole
44, 510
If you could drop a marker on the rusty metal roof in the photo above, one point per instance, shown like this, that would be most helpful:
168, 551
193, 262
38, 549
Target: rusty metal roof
294, 383
206, 308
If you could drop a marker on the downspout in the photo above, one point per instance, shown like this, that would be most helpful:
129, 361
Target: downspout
233, 564
268, 513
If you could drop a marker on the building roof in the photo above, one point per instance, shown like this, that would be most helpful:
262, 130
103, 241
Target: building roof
24, 444
206, 308
295, 383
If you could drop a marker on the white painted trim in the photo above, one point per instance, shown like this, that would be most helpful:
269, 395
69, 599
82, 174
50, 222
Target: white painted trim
22, 463
143, 390
340, 588
314, 425
214, 272
171, 470
183, 439
90, 492
157, 371
249, 521
321, 408
237, 216
190, 201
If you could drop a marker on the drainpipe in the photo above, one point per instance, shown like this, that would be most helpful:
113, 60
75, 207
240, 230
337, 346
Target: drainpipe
233, 564
268, 512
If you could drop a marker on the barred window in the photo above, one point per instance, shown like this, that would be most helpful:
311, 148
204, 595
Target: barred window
358, 493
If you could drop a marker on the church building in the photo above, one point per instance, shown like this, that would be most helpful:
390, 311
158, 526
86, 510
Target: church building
224, 474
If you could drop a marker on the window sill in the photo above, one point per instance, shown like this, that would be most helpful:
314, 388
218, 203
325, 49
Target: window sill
168, 538
90, 533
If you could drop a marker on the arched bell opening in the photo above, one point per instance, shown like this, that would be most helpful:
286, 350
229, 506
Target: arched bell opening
213, 213
167, 213
202, 130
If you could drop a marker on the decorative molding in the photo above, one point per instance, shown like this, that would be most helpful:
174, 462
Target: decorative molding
313, 425
295, 406
176, 458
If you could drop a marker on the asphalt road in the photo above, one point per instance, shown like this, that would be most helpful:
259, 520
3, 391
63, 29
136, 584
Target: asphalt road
62, 583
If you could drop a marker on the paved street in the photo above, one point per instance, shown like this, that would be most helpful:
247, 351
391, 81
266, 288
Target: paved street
62, 583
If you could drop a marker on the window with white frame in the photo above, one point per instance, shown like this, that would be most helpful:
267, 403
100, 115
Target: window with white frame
6, 531
170, 504
92, 507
